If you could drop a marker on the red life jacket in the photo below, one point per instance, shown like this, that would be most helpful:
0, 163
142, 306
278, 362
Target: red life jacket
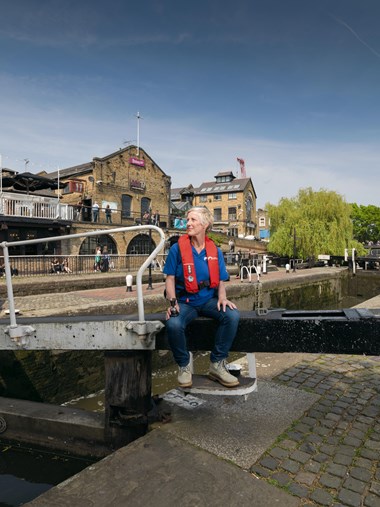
189, 274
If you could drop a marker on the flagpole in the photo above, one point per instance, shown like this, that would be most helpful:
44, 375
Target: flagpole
138, 132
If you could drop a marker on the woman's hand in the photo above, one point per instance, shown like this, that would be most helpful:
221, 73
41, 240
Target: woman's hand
169, 311
224, 302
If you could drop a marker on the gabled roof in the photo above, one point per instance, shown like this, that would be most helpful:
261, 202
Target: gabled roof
176, 193
226, 173
76, 170
210, 187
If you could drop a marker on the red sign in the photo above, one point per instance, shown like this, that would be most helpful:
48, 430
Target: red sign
137, 161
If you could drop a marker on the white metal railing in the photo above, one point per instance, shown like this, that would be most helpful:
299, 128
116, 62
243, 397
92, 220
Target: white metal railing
17, 332
34, 206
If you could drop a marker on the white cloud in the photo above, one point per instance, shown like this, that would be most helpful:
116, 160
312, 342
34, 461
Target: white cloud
190, 153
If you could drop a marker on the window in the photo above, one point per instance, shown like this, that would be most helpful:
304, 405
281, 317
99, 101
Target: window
262, 222
145, 205
232, 195
126, 204
89, 245
141, 244
217, 197
218, 214
232, 213
203, 198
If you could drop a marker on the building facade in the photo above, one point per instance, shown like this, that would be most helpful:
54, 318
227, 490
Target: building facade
232, 202
125, 188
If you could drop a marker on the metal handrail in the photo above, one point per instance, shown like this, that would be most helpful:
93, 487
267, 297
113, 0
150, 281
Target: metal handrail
140, 303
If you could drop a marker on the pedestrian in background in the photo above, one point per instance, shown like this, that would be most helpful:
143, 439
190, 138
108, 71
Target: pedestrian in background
108, 213
95, 212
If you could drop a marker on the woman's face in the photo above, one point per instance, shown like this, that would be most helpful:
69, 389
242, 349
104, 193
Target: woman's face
194, 224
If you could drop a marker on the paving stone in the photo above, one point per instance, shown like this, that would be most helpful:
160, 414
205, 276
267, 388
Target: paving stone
361, 474
347, 450
288, 444
295, 435
259, 470
360, 426
367, 453
305, 478
282, 478
375, 488
290, 466
321, 458
320, 430
313, 466
330, 481
365, 420
302, 428
372, 501
350, 498
363, 463
300, 456
314, 439
269, 462
328, 423
298, 490
333, 440
321, 497
338, 470
357, 434
308, 447
354, 485
328, 449
342, 459
373, 445
277, 452
354, 442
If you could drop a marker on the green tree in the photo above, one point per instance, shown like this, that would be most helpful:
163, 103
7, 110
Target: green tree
321, 220
366, 222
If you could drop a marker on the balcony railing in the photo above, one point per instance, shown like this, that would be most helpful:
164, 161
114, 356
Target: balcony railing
33, 206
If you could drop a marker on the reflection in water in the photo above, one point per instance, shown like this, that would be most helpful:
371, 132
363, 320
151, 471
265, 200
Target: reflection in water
26, 474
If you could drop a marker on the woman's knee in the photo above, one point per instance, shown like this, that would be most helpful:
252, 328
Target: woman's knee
232, 315
174, 325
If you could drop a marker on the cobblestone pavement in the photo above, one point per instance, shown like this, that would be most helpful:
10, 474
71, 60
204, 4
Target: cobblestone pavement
331, 456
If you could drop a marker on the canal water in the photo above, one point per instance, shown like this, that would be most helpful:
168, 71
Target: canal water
26, 473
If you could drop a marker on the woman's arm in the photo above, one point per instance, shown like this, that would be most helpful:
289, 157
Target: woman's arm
170, 294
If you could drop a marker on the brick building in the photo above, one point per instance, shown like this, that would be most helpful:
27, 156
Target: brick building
233, 203
131, 185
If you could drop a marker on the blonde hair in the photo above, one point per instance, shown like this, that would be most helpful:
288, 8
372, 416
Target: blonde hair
205, 216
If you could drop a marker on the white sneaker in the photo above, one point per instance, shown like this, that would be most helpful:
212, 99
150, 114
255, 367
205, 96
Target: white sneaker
184, 376
219, 372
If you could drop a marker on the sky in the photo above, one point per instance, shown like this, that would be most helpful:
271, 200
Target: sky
290, 86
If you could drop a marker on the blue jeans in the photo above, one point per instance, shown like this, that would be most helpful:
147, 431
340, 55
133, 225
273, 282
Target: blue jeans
225, 334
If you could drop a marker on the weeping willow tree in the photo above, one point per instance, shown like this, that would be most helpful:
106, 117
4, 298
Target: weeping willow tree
321, 221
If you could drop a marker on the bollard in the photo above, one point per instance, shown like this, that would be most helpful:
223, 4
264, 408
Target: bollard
287, 268
265, 258
129, 282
